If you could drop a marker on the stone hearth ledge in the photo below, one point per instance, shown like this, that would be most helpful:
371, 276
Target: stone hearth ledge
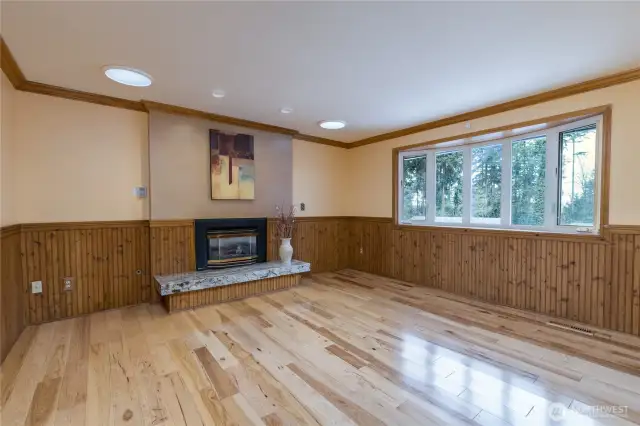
200, 280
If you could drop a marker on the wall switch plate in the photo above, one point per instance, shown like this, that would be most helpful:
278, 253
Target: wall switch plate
140, 191
68, 283
36, 287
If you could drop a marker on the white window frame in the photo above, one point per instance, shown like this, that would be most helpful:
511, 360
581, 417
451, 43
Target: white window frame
552, 196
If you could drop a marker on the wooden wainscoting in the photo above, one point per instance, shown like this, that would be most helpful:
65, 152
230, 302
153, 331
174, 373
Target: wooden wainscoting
12, 320
321, 241
107, 261
172, 248
585, 280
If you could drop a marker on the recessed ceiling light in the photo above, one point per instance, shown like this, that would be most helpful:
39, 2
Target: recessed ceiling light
286, 110
128, 76
218, 94
332, 124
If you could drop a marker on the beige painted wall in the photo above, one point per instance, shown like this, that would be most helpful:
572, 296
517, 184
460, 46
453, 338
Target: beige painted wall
76, 161
7, 150
320, 176
63, 160
180, 182
370, 165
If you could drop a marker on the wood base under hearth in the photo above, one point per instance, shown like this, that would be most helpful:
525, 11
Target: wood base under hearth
193, 299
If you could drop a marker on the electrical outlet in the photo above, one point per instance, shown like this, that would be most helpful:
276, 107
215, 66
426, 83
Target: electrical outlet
361, 250
302, 207
68, 283
36, 287
140, 191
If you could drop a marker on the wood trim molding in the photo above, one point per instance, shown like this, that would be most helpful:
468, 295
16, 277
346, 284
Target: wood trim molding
178, 110
550, 95
172, 109
10, 66
13, 72
8, 231
605, 180
170, 223
559, 119
324, 141
61, 226
395, 154
77, 95
371, 219
506, 233
314, 218
623, 229
19, 81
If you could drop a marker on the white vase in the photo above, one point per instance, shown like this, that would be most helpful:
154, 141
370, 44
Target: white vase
286, 251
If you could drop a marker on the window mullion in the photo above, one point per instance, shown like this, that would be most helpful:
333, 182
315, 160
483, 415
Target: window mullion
551, 177
431, 187
400, 188
466, 186
505, 205
597, 203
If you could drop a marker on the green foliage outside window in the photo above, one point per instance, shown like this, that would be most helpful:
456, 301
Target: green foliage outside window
577, 195
576, 181
449, 184
414, 188
528, 164
486, 181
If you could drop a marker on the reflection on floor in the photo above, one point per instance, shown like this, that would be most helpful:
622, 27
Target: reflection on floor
344, 348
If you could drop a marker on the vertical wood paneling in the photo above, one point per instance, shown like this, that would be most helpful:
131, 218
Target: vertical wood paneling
12, 320
107, 262
636, 286
323, 241
172, 249
192, 299
595, 282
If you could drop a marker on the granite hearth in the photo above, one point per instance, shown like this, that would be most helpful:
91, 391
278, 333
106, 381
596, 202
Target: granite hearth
191, 289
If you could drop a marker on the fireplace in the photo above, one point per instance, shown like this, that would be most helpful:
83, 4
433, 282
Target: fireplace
225, 243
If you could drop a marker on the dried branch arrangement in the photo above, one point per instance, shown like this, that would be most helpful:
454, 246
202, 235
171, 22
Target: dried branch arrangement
285, 221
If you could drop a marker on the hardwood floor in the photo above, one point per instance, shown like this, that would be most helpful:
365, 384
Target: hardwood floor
343, 348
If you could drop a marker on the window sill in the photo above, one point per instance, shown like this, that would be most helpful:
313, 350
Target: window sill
513, 233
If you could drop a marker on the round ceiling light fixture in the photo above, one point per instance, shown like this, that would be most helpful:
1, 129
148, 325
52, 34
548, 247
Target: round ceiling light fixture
332, 124
286, 110
218, 93
128, 76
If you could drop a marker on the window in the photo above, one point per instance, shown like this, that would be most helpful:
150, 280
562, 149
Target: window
578, 176
414, 196
449, 186
547, 180
486, 184
528, 169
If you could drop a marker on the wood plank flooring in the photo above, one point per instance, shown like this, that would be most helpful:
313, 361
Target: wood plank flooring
344, 348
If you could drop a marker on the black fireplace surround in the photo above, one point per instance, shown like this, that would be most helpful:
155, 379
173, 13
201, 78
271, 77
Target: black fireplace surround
225, 243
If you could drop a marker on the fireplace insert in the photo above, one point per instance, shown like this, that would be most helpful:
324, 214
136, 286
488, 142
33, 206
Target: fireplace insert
232, 247
224, 243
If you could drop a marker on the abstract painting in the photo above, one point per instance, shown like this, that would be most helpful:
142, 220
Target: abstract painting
232, 166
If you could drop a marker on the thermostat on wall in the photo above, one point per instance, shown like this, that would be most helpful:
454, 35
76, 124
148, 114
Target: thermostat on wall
140, 191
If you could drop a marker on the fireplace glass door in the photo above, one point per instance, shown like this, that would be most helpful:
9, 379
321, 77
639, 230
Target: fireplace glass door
232, 247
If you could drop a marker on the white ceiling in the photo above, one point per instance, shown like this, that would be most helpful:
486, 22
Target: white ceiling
380, 66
